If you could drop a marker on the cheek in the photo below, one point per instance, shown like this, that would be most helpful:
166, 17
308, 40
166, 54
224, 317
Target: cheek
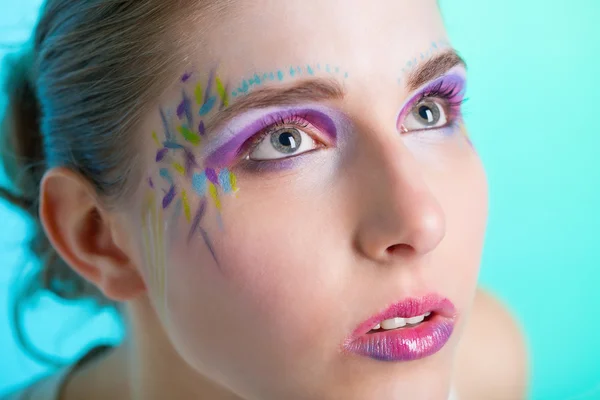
464, 197
268, 288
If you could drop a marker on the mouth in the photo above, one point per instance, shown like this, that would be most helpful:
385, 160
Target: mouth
400, 323
408, 330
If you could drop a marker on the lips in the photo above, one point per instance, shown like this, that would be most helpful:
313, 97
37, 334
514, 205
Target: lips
410, 342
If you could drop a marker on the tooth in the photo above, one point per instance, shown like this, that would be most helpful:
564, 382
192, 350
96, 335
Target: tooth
393, 323
378, 326
415, 320
427, 314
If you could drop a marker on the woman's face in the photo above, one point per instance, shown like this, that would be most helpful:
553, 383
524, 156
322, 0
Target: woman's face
307, 170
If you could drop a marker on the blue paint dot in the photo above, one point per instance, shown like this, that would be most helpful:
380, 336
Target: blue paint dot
327, 68
292, 71
309, 70
299, 70
199, 183
234, 94
244, 88
346, 75
255, 80
265, 76
337, 70
272, 76
434, 45
280, 75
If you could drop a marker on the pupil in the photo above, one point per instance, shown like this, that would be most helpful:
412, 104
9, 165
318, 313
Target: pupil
287, 139
425, 113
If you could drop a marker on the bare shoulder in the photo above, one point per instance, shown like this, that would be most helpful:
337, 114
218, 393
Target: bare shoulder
492, 360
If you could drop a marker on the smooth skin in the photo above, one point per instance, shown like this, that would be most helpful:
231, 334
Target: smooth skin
309, 253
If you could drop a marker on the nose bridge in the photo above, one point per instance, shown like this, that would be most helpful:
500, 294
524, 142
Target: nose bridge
399, 214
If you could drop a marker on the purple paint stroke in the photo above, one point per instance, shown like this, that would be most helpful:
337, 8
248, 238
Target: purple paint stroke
190, 162
161, 154
168, 199
151, 183
210, 247
186, 77
197, 219
326, 121
201, 128
185, 108
168, 133
211, 174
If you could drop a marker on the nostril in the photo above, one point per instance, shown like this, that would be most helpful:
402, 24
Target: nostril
400, 248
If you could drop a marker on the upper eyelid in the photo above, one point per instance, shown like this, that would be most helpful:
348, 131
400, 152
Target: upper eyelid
241, 129
460, 80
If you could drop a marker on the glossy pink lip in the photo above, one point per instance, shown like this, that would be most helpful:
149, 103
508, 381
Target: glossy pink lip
408, 343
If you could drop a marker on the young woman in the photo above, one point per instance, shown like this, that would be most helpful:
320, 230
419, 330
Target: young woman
281, 196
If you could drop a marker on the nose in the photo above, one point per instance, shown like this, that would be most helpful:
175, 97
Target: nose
399, 216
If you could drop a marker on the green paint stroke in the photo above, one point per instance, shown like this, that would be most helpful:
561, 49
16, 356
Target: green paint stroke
189, 136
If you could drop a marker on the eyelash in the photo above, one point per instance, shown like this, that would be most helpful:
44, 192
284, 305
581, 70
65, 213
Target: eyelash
450, 94
269, 127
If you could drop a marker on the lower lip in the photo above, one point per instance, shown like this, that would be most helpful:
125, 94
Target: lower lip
405, 344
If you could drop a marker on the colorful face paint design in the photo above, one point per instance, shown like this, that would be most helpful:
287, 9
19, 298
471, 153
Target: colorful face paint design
258, 79
184, 136
175, 155
435, 47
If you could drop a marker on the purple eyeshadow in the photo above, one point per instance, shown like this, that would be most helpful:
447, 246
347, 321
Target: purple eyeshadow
442, 84
225, 154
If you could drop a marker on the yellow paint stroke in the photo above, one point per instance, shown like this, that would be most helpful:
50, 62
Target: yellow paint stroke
179, 168
146, 230
155, 137
199, 95
186, 206
233, 182
215, 196
222, 92
161, 270
154, 247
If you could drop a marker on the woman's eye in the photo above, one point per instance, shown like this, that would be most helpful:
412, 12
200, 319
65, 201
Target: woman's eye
425, 115
282, 143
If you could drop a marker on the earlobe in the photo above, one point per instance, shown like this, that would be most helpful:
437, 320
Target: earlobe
83, 233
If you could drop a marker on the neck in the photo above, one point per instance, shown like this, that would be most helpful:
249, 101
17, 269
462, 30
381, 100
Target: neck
145, 366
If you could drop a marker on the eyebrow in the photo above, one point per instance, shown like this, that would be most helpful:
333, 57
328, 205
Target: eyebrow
323, 89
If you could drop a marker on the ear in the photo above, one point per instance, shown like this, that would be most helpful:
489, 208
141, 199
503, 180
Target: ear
86, 235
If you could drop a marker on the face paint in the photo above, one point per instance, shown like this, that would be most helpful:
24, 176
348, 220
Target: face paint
447, 91
434, 48
258, 79
184, 135
154, 247
242, 128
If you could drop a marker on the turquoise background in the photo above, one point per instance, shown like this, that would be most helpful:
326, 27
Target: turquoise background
533, 114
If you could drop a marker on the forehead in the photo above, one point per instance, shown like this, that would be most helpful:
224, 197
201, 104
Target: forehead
358, 35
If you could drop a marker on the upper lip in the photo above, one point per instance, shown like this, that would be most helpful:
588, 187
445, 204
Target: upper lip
407, 308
